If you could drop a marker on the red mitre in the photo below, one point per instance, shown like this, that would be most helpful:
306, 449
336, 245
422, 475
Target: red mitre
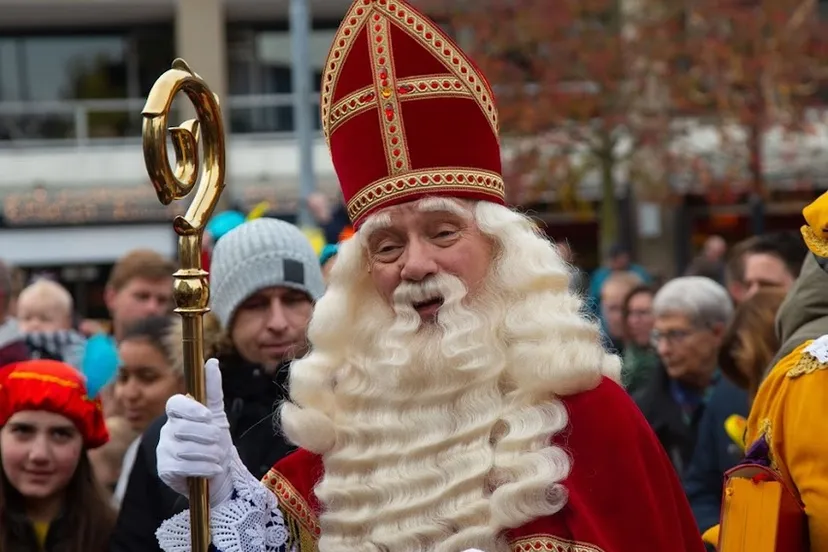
56, 387
405, 113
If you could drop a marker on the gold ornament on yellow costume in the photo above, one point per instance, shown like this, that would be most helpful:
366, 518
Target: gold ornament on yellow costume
316, 238
816, 232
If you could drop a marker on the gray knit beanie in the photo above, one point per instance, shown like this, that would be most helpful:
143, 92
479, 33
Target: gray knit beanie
261, 253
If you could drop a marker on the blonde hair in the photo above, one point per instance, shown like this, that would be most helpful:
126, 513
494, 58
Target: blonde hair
49, 292
750, 342
443, 443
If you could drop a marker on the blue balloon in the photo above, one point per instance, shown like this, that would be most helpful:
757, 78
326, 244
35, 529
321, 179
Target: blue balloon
223, 222
99, 363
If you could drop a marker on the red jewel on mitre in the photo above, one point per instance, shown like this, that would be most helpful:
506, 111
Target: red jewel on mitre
55, 387
405, 113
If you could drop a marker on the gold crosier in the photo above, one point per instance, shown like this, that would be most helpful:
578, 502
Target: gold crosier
191, 290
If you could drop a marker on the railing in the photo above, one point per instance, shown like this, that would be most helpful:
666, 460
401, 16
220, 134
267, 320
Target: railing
84, 123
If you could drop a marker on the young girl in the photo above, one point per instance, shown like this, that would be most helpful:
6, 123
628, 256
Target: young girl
49, 499
151, 371
146, 378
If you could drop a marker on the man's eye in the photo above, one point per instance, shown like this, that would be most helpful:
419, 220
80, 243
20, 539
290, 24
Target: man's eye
387, 248
254, 305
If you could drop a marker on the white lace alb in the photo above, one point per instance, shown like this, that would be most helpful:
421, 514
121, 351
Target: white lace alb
819, 349
249, 522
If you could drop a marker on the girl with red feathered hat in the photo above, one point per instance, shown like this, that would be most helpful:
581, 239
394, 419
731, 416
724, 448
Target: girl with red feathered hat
49, 499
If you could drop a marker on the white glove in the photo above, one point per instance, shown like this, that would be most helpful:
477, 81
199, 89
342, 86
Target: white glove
196, 442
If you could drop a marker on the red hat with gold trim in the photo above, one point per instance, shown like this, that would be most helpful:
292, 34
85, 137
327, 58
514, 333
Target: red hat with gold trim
406, 113
56, 387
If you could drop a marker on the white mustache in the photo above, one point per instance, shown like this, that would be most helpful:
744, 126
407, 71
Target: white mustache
438, 286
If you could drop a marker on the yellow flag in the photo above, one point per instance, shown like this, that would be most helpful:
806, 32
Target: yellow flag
259, 210
316, 238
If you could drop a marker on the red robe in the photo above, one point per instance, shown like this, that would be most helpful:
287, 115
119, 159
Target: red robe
624, 495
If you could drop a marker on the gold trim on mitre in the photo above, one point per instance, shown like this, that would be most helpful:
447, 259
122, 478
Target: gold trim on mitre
416, 182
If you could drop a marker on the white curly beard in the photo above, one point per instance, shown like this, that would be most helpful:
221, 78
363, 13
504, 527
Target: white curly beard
437, 436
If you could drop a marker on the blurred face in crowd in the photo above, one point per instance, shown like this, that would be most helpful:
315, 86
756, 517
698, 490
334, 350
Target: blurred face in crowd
40, 451
763, 270
715, 248
413, 242
612, 306
38, 314
138, 299
144, 383
269, 327
689, 352
640, 318
619, 261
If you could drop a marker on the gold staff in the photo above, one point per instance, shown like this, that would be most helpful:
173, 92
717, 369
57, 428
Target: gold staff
191, 289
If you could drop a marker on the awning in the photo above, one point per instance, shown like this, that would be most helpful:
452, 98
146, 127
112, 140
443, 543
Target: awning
83, 244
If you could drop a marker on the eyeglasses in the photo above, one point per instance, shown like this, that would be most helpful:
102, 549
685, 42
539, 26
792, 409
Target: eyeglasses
672, 337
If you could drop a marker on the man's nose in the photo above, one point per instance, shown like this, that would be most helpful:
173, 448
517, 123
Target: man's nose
277, 317
418, 262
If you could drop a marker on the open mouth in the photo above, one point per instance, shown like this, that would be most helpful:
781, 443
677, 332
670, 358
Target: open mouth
429, 304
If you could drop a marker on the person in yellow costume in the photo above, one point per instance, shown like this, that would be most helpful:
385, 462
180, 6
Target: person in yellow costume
787, 429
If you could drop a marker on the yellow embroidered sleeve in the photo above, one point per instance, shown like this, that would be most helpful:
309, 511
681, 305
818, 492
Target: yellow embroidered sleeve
791, 410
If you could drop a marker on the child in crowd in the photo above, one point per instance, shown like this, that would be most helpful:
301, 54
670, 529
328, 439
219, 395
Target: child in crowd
49, 498
44, 306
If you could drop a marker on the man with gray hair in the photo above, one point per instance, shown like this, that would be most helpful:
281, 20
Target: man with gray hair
691, 315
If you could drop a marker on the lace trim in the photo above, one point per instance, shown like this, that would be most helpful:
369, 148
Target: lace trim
814, 357
249, 522
819, 348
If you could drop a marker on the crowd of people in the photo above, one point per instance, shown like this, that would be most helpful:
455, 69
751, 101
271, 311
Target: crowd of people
442, 379
694, 351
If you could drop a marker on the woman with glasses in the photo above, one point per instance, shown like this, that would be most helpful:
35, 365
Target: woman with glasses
690, 317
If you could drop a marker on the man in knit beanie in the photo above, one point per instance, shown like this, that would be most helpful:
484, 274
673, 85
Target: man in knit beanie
264, 279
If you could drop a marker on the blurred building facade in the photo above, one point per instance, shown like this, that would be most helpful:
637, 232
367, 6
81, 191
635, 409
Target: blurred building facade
74, 75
